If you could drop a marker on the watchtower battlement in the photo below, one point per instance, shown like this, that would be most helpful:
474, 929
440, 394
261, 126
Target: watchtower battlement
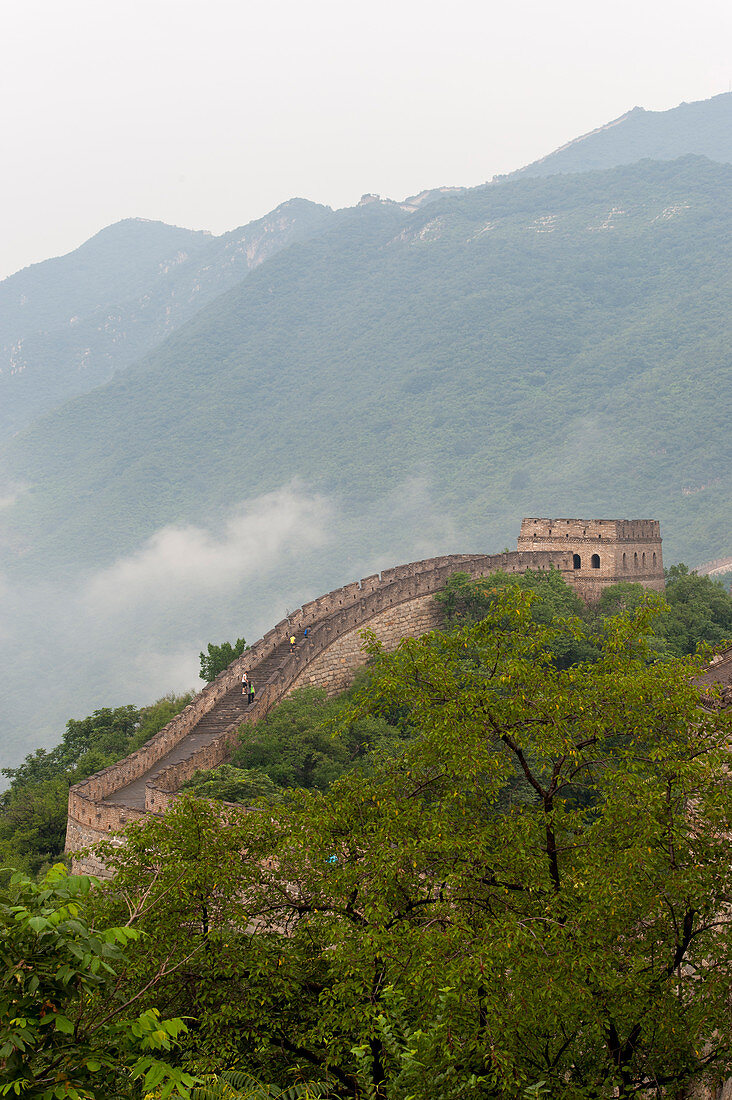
603, 551
635, 530
620, 530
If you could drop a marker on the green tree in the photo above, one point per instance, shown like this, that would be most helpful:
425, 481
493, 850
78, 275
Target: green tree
534, 889
185, 877
697, 611
33, 824
228, 783
627, 597
700, 610
624, 596
466, 599
238, 1085
33, 809
218, 657
304, 743
64, 1031
87, 745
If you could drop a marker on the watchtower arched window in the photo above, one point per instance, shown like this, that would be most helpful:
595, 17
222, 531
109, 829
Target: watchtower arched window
595, 561
635, 560
654, 559
576, 561
625, 562
644, 559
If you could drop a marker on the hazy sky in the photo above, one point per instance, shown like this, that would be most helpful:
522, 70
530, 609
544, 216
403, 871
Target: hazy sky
208, 113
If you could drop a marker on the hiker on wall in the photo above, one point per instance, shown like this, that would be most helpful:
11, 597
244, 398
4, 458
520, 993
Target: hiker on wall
244, 684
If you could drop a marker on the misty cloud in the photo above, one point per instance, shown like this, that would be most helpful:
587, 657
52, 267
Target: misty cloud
152, 668
132, 632
184, 563
411, 508
11, 488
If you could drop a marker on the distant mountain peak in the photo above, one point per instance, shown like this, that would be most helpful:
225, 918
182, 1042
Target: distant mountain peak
133, 228
287, 211
590, 133
70, 323
701, 128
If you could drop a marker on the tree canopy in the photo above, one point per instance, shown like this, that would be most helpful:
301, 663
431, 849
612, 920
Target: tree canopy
65, 1032
700, 609
530, 893
695, 611
218, 657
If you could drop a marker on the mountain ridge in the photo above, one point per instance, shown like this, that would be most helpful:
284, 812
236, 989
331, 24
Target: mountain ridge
411, 289
110, 301
57, 341
700, 128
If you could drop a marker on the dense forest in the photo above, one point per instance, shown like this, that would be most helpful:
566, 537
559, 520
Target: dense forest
473, 876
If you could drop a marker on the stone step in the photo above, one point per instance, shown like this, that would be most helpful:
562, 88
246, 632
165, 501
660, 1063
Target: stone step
231, 709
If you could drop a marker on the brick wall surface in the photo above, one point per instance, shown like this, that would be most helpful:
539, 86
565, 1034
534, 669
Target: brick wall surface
82, 839
334, 668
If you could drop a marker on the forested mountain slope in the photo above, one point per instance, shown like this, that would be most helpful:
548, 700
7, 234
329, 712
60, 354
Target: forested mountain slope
552, 345
703, 128
66, 325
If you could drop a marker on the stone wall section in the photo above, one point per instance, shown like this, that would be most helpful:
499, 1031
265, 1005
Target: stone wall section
395, 604
334, 668
82, 838
406, 611
717, 677
404, 606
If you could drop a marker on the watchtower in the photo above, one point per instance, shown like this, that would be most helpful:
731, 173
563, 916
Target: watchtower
602, 551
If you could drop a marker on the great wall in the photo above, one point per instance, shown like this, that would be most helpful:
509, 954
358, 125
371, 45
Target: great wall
590, 554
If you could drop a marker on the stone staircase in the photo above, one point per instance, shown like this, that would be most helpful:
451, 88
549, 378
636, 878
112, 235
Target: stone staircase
231, 710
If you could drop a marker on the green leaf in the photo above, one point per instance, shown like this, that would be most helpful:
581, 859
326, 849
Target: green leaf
39, 924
